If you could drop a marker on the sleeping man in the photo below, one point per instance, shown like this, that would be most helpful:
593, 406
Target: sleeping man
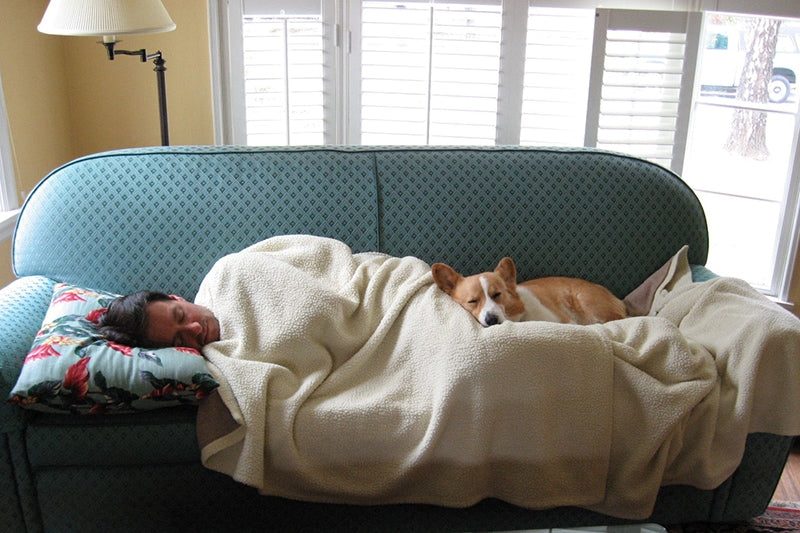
352, 378
156, 320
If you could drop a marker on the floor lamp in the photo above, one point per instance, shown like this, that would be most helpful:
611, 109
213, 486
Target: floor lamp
109, 18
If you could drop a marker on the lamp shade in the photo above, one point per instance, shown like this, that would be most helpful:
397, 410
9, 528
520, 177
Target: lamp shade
105, 17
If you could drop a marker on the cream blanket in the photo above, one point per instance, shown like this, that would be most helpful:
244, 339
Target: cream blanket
352, 378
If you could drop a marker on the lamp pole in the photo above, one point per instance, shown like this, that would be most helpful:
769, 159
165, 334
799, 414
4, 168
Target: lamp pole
162, 98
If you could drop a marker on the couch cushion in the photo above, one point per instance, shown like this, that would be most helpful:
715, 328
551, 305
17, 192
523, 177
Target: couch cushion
71, 368
155, 437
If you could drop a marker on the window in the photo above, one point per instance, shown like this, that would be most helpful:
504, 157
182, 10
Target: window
429, 72
657, 84
8, 201
558, 53
274, 82
742, 147
638, 101
645, 103
283, 79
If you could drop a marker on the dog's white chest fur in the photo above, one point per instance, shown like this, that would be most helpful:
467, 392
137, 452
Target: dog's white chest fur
534, 310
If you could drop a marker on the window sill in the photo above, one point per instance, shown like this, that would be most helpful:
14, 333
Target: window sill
789, 306
7, 221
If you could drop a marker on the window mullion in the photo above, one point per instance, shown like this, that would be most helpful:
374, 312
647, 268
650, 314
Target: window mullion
349, 68
286, 88
512, 73
596, 77
432, 13
230, 119
336, 62
693, 29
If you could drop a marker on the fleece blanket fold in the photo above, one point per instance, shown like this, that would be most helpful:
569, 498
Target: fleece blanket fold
352, 378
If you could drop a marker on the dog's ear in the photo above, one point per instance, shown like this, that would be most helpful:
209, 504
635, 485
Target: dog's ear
445, 277
507, 270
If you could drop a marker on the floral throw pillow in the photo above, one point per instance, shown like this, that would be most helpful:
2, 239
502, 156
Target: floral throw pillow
72, 368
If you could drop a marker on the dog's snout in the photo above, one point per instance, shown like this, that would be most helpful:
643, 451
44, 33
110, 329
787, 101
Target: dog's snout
491, 320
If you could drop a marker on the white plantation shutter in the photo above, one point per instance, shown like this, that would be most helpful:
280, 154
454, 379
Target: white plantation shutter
395, 58
286, 50
429, 72
641, 83
556, 85
283, 72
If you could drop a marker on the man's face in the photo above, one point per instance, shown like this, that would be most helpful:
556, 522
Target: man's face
180, 323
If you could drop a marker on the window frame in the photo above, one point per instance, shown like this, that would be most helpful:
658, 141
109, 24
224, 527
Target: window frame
8, 188
227, 72
342, 21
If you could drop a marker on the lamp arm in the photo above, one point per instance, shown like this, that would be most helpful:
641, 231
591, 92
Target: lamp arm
160, 69
112, 52
141, 53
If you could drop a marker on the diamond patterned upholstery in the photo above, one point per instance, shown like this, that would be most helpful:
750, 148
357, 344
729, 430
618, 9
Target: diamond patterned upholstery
612, 219
159, 217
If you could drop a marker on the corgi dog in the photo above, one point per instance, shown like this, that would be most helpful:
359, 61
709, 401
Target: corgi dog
494, 297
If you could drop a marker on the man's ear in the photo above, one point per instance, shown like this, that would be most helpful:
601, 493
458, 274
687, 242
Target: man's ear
176, 297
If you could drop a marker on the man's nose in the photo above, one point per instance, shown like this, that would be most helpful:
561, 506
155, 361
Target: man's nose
193, 327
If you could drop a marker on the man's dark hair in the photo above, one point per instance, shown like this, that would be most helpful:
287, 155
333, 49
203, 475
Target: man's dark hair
125, 321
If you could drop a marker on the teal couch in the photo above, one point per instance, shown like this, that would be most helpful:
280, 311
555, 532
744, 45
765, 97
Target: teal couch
158, 218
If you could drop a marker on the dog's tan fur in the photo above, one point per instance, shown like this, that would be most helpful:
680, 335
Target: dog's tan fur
493, 297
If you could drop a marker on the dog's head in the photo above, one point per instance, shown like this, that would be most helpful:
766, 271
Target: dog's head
491, 297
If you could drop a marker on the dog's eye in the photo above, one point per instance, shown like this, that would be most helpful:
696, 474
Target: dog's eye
496, 295
473, 302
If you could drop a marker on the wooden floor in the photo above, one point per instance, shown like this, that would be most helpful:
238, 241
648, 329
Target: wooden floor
789, 485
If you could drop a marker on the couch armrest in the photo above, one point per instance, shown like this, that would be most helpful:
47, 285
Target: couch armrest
23, 304
701, 273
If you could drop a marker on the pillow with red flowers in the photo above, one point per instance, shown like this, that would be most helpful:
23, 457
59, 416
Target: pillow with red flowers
72, 368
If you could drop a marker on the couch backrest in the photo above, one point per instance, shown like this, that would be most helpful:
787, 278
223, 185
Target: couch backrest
606, 217
159, 217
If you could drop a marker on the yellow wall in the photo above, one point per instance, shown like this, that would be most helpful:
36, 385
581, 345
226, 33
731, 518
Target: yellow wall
6, 276
34, 84
65, 99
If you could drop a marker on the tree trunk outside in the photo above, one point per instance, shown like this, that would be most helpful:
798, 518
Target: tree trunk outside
748, 136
